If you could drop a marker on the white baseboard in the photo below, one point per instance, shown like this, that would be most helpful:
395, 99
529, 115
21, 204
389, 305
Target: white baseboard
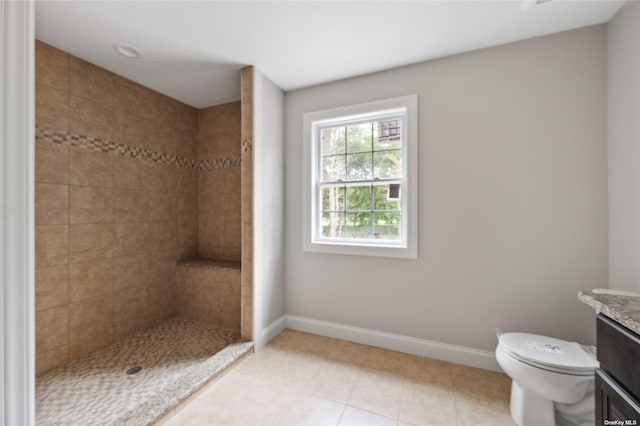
397, 342
270, 331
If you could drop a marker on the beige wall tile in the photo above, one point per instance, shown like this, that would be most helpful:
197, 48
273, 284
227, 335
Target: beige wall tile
52, 245
132, 238
230, 298
91, 242
52, 326
91, 82
137, 131
90, 316
162, 206
164, 109
52, 108
52, 67
219, 130
159, 177
161, 295
129, 172
131, 206
91, 168
47, 360
52, 162
90, 118
163, 235
130, 303
131, 271
167, 137
133, 98
187, 146
187, 239
90, 279
91, 205
162, 268
187, 181
52, 287
84, 345
187, 116
52, 204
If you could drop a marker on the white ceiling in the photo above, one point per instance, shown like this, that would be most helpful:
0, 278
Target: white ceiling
193, 50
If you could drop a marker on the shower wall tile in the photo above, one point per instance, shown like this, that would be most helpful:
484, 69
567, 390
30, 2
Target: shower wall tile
131, 206
132, 238
88, 204
79, 347
163, 235
130, 271
52, 162
90, 279
52, 67
91, 82
134, 130
91, 118
91, 242
133, 98
130, 303
52, 245
46, 360
90, 316
52, 327
52, 287
52, 204
162, 206
129, 172
91, 168
52, 108
110, 227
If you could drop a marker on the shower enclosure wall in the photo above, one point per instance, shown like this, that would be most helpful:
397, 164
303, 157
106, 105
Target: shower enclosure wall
128, 183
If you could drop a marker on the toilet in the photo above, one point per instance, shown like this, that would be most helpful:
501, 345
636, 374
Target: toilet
553, 380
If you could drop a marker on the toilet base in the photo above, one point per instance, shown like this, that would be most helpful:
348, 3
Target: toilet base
530, 409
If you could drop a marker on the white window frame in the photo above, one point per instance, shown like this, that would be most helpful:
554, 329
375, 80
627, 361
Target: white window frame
408, 246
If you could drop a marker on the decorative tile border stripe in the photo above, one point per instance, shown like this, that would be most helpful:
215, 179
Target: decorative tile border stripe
247, 145
98, 144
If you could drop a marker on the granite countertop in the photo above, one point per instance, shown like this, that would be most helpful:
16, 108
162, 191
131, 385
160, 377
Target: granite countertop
623, 309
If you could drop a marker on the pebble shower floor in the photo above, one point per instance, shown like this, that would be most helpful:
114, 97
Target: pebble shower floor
176, 357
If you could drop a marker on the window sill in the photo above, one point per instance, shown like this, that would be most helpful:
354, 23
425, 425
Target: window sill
375, 250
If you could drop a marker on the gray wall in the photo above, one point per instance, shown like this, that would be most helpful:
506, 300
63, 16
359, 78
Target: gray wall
623, 88
512, 197
268, 203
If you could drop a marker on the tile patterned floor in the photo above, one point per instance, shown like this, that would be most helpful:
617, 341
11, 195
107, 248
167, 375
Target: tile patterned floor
177, 357
302, 379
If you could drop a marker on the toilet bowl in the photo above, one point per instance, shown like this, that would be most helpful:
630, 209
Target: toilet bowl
553, 380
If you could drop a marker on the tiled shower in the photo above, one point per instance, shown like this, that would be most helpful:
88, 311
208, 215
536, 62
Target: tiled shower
138, 210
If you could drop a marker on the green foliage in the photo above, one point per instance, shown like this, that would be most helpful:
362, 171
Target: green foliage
352, 154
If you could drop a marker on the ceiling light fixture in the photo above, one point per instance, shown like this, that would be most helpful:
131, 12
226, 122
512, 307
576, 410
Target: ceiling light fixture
127, 50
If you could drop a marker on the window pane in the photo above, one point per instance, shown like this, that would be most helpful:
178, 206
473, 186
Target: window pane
387, 134
359, 166
333, 225
359, 225
387, 164
359, 137
333, 198
333, 168
387, 226
333, 140
383, 197
359, 197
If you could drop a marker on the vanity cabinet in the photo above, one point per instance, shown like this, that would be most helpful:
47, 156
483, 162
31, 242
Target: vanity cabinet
617, 381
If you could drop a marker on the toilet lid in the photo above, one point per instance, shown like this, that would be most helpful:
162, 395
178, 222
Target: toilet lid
548, 352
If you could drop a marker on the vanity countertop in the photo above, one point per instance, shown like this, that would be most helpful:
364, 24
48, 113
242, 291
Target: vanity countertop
623, 309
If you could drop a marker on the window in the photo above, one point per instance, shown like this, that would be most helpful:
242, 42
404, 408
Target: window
361, 179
